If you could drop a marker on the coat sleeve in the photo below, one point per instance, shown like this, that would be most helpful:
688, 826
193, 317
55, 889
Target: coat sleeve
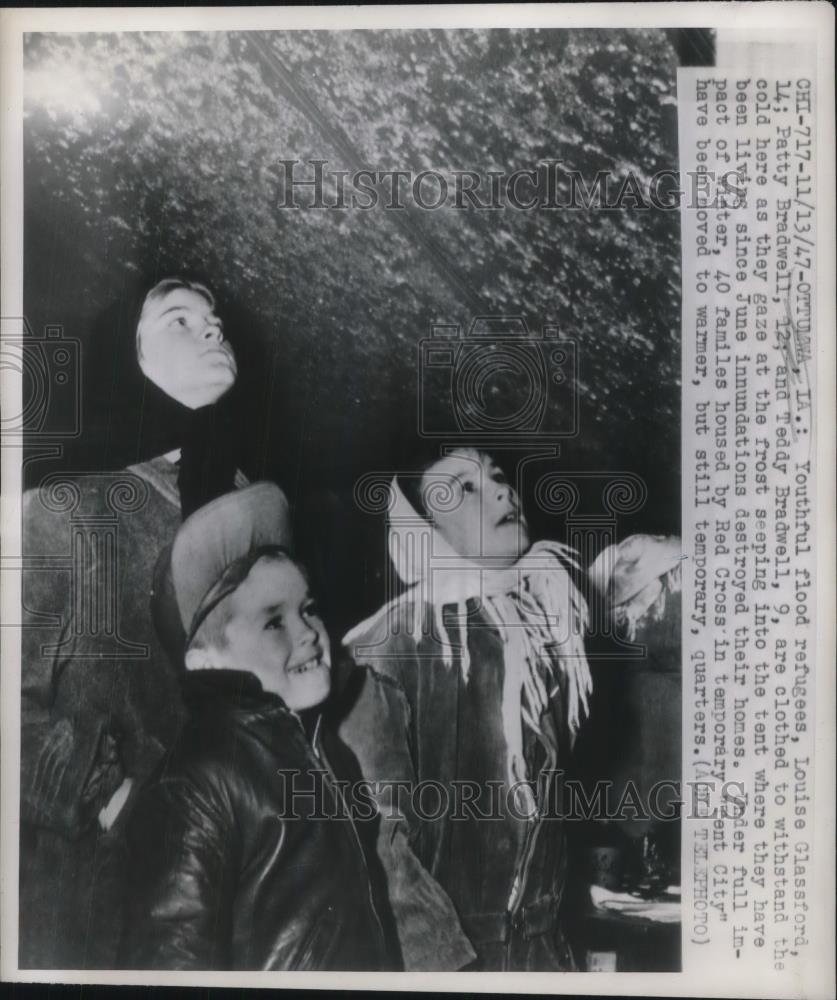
85, 719
75, 723
377, 729
65, 775
184, 858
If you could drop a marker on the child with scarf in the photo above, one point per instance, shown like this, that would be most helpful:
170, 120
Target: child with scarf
471, 686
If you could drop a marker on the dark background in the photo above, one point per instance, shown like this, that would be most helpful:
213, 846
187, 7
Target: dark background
155, 154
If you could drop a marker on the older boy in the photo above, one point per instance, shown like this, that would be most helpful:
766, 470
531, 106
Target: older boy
232, 869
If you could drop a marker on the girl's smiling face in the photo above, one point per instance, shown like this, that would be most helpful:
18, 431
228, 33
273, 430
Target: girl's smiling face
474, 508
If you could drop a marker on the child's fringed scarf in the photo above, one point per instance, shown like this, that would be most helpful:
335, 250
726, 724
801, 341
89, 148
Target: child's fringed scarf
538, 611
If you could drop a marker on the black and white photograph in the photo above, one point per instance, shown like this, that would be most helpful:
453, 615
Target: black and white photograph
374, 486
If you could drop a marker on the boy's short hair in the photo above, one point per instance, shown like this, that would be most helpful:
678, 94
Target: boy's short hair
211, 632
211, 554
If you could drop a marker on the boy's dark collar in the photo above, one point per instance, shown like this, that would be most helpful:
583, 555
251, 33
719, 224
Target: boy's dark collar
239, 690
236, 687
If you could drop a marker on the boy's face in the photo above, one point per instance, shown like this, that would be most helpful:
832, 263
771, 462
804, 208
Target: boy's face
182, 348
476, 511
275, 632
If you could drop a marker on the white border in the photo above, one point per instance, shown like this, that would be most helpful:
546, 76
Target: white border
818, 17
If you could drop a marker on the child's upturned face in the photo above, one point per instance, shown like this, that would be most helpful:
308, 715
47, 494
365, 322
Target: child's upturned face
182, 348
275, 632
474, 508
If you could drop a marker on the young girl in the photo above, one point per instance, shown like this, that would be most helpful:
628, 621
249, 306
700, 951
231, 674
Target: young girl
473, 684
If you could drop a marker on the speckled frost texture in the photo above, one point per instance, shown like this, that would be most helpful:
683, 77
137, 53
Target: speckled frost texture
152, 153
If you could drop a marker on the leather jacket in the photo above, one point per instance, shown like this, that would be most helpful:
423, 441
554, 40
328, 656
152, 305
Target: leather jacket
460, 885
231, 870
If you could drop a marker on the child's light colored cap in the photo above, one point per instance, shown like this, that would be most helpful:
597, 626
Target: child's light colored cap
189, 579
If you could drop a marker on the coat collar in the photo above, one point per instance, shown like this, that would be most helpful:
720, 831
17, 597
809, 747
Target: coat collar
241, 693
233, 689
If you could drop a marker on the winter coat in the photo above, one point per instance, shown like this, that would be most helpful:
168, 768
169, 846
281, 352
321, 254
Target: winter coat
92, 667
230, 869
460, 885
472, 682
99, 699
